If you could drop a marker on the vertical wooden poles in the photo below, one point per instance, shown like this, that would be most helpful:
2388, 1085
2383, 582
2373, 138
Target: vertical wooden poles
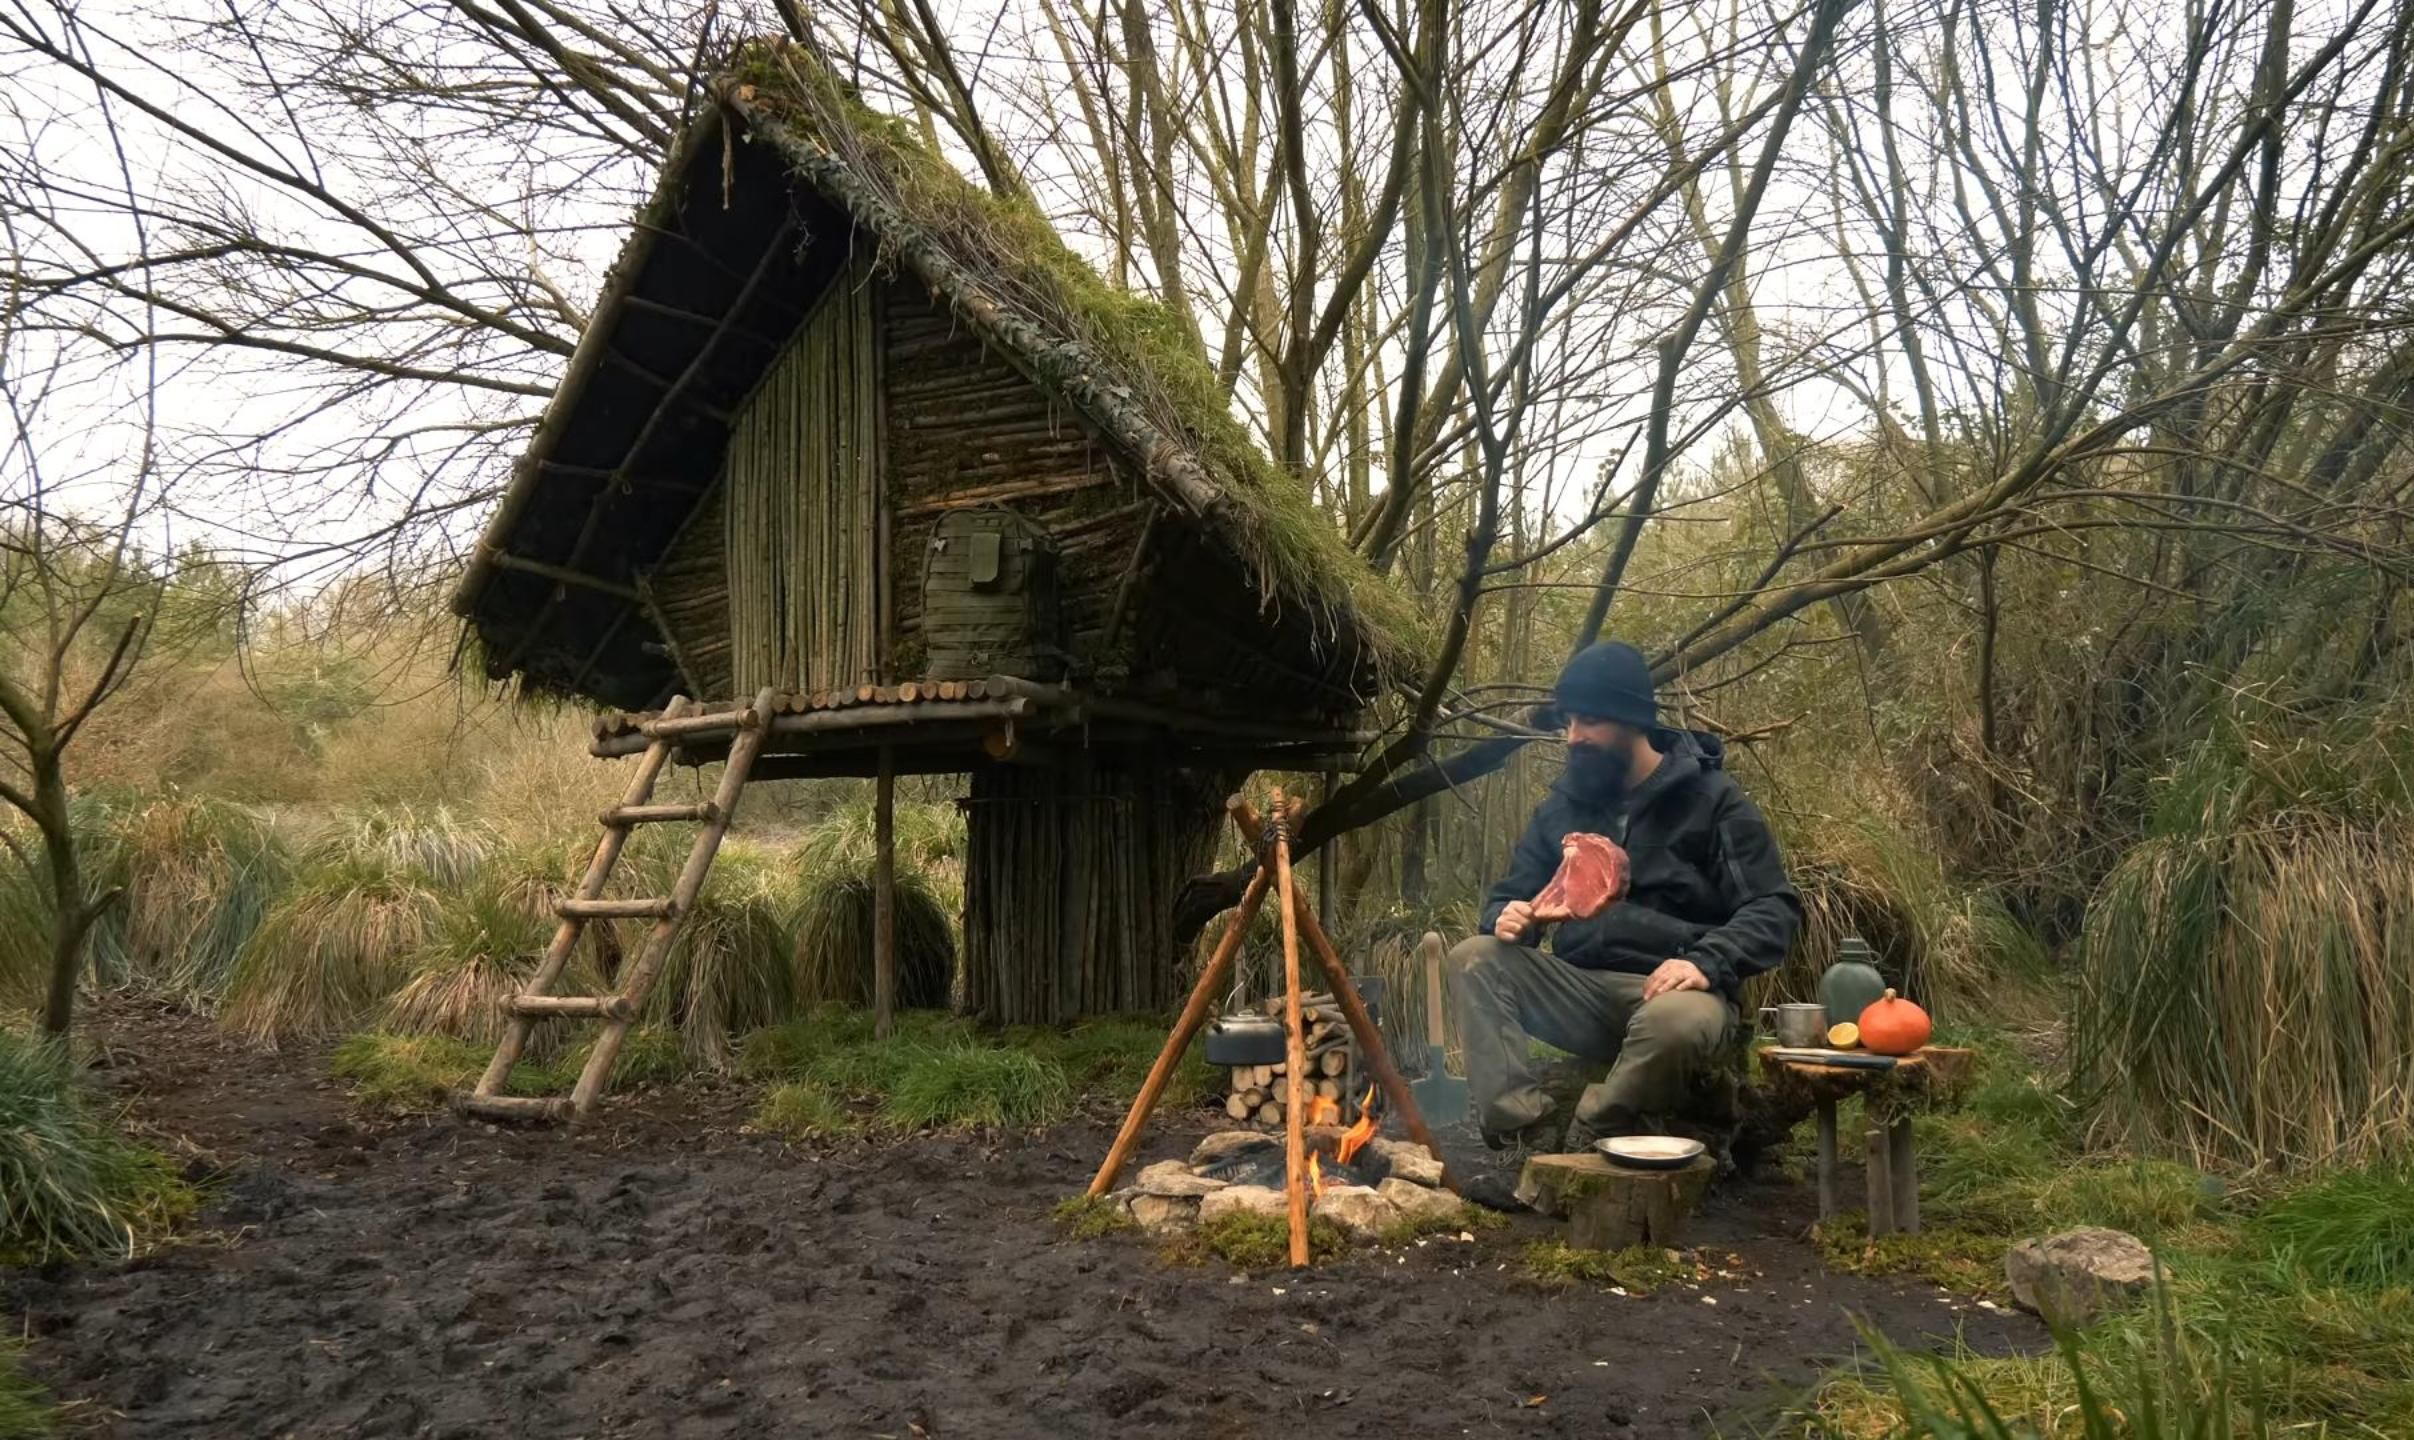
884, 896
1294, 1138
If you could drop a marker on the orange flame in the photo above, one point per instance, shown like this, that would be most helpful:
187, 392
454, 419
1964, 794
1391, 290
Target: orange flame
1324, 1110
1315, 1176
1354, 1139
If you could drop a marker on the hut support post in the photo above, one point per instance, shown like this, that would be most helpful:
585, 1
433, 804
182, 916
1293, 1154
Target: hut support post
884, 896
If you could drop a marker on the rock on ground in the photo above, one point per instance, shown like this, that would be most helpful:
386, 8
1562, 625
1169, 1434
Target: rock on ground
1228, 1142
1243, 1200
1358, 1209
2077, 1275
1418, 1202
1409, 1161
1174, 1178
1160, 1213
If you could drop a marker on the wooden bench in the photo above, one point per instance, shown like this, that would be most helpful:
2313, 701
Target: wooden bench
1931, 1078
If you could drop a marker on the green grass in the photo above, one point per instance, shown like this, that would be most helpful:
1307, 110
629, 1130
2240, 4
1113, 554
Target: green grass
806, 1110
69, 1183
1638, 1271
25, 1409
1090, 1217
1111, 1056
412, 1074
977, 1087
941, 1072
2306, 1290
2354, 1230
2154, 1386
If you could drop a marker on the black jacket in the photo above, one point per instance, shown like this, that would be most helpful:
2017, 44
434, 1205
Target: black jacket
1707, 883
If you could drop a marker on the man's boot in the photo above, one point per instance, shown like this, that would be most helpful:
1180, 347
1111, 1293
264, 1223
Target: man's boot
1583, 1134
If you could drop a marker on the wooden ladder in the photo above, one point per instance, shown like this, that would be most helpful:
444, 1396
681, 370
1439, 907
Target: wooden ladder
749, 726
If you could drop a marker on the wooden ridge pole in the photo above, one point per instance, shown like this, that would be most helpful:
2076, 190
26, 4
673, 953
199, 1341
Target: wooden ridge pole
1294, 1126
1371, 1048
1194, 1014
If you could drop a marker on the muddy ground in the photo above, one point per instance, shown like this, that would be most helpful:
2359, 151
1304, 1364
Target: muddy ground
667, 1274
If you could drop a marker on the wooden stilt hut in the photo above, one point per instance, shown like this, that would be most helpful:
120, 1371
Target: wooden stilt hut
849, 436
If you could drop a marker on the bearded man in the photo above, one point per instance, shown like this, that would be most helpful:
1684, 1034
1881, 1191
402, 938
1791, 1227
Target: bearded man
1650, 983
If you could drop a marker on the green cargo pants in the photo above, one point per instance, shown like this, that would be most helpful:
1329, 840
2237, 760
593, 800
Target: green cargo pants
1503, 994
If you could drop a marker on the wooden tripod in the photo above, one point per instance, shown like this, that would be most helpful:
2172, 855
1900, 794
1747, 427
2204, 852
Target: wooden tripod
1273, 871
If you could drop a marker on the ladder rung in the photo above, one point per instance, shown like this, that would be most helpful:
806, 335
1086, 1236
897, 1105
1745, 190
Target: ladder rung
512, 1107
615, 909
707, 812
592, 1007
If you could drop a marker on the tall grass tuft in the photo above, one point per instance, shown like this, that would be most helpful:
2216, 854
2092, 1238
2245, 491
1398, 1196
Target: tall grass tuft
69, 1184
1955, 949
2244, 995
834, 940
732, 968
929, 844
337, 946
479, 949
199, 876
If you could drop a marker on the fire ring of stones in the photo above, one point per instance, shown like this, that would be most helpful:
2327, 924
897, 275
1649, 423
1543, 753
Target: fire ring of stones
1386, 1183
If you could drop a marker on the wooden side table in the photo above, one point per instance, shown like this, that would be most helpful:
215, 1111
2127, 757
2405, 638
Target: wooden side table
1931, 1078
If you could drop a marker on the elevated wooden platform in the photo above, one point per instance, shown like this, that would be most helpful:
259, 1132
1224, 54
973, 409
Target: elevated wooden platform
938, 726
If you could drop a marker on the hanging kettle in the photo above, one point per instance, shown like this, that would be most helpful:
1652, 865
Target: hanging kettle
1246, 1040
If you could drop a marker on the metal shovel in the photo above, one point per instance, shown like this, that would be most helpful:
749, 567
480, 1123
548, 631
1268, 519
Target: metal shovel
1441, 1096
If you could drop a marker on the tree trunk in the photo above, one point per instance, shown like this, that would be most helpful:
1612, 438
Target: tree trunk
71, 918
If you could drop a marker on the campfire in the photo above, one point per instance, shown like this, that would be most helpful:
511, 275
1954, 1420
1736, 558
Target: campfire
1364, 1183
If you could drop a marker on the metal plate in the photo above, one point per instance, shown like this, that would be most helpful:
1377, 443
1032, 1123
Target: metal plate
1649, 1152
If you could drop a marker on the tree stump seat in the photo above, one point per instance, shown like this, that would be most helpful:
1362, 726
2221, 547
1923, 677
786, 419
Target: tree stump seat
1615, 1207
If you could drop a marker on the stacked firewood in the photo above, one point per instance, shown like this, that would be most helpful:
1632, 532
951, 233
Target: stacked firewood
1257, 1091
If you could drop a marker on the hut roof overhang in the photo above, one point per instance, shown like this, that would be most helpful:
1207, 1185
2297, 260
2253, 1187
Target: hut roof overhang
756, 210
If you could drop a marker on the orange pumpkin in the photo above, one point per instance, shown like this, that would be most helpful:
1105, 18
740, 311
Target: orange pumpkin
1891, 1026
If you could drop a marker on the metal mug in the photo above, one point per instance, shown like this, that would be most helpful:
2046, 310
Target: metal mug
1798, 1025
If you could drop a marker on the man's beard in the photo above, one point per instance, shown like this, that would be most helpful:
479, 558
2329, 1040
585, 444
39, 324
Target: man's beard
1596, 773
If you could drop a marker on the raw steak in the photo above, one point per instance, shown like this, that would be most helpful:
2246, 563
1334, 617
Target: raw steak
1592, 874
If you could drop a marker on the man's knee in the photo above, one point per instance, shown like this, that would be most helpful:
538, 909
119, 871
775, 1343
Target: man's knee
1473, 955
1686, 1026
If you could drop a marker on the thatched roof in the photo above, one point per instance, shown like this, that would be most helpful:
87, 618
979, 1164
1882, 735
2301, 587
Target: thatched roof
684, 329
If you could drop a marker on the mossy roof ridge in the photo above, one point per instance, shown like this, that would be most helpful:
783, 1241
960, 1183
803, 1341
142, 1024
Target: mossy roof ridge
1121, 358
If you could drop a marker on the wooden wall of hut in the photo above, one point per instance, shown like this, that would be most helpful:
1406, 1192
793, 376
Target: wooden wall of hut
802, 508
688, 594
1070, 875
965, 428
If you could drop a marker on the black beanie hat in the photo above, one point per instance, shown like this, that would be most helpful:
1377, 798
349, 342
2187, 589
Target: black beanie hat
1609, 681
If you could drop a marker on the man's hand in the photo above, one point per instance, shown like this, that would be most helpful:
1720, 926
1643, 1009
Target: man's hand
1672, 976
1516, 921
